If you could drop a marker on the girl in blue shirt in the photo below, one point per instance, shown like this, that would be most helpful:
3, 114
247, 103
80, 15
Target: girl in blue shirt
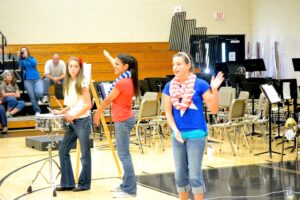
184, 97
32, 82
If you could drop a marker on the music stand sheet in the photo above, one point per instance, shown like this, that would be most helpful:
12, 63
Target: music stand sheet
286, 90
104, 89
271, 93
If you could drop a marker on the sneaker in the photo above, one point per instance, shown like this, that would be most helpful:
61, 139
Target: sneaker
37, 113
4, 132
123, 195
78, 189
64, 188
8, 114
40, 102
117, 188
45, 99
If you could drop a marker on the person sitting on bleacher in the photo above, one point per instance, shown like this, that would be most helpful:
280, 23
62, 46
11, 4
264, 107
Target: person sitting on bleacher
55, 70
3, 119
10, 92
32, 80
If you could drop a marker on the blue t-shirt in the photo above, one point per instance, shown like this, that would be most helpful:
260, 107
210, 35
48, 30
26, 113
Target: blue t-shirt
29, 66
192, 119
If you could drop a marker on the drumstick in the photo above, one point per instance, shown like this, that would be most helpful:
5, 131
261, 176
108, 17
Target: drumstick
61, 107
50, 109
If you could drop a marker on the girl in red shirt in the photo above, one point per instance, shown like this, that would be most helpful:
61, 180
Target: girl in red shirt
121, 93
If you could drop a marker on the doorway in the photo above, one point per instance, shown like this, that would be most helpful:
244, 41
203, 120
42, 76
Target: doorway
211, 49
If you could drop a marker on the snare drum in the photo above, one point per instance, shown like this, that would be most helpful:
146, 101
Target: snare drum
49, 122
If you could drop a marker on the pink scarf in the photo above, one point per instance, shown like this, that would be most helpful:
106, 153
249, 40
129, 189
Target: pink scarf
185, 92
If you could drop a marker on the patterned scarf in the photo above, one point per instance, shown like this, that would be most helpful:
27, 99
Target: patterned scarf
185, 93
126, 74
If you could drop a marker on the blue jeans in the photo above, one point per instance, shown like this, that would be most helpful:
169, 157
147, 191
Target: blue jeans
47, 83
12, 103
188, 164
122, 131
80, 129
3, 119
35, 90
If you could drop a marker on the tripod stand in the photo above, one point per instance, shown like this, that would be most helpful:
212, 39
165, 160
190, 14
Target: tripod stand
50, 161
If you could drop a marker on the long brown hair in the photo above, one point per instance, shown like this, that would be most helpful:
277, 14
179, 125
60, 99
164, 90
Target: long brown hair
79, 79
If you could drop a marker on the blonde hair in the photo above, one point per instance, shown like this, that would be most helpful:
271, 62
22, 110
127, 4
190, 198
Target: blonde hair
79, 78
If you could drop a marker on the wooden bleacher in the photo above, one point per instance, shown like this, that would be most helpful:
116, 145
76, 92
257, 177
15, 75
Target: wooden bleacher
154, 58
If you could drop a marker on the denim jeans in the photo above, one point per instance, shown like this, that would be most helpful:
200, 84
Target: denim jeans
47, 83
3, 119
35, 90
122, 131
12, 103
80, 129
188, 164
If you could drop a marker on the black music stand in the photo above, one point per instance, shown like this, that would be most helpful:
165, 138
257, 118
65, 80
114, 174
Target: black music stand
296, 64
272, 96
253, 65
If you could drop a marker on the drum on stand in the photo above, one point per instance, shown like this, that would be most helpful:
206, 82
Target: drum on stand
51, 124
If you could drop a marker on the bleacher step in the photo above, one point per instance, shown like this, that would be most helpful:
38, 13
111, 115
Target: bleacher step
21, 122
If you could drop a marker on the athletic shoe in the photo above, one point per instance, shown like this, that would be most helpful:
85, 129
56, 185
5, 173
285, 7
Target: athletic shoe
123, 195
117, 188
8, 114
45, 99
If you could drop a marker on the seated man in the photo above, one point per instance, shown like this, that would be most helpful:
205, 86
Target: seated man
55, 70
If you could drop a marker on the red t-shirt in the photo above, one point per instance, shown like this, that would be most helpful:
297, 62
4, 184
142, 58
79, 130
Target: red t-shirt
122, 105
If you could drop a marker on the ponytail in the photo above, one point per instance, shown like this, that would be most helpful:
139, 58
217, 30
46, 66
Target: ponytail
133, 68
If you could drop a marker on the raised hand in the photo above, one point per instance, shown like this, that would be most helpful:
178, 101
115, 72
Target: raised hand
217, 81
106, 54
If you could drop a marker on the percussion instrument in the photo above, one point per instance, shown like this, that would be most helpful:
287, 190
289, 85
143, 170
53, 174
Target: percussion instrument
50, 122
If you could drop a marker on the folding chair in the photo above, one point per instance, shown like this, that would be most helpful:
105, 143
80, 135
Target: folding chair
149, 112
236, 117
